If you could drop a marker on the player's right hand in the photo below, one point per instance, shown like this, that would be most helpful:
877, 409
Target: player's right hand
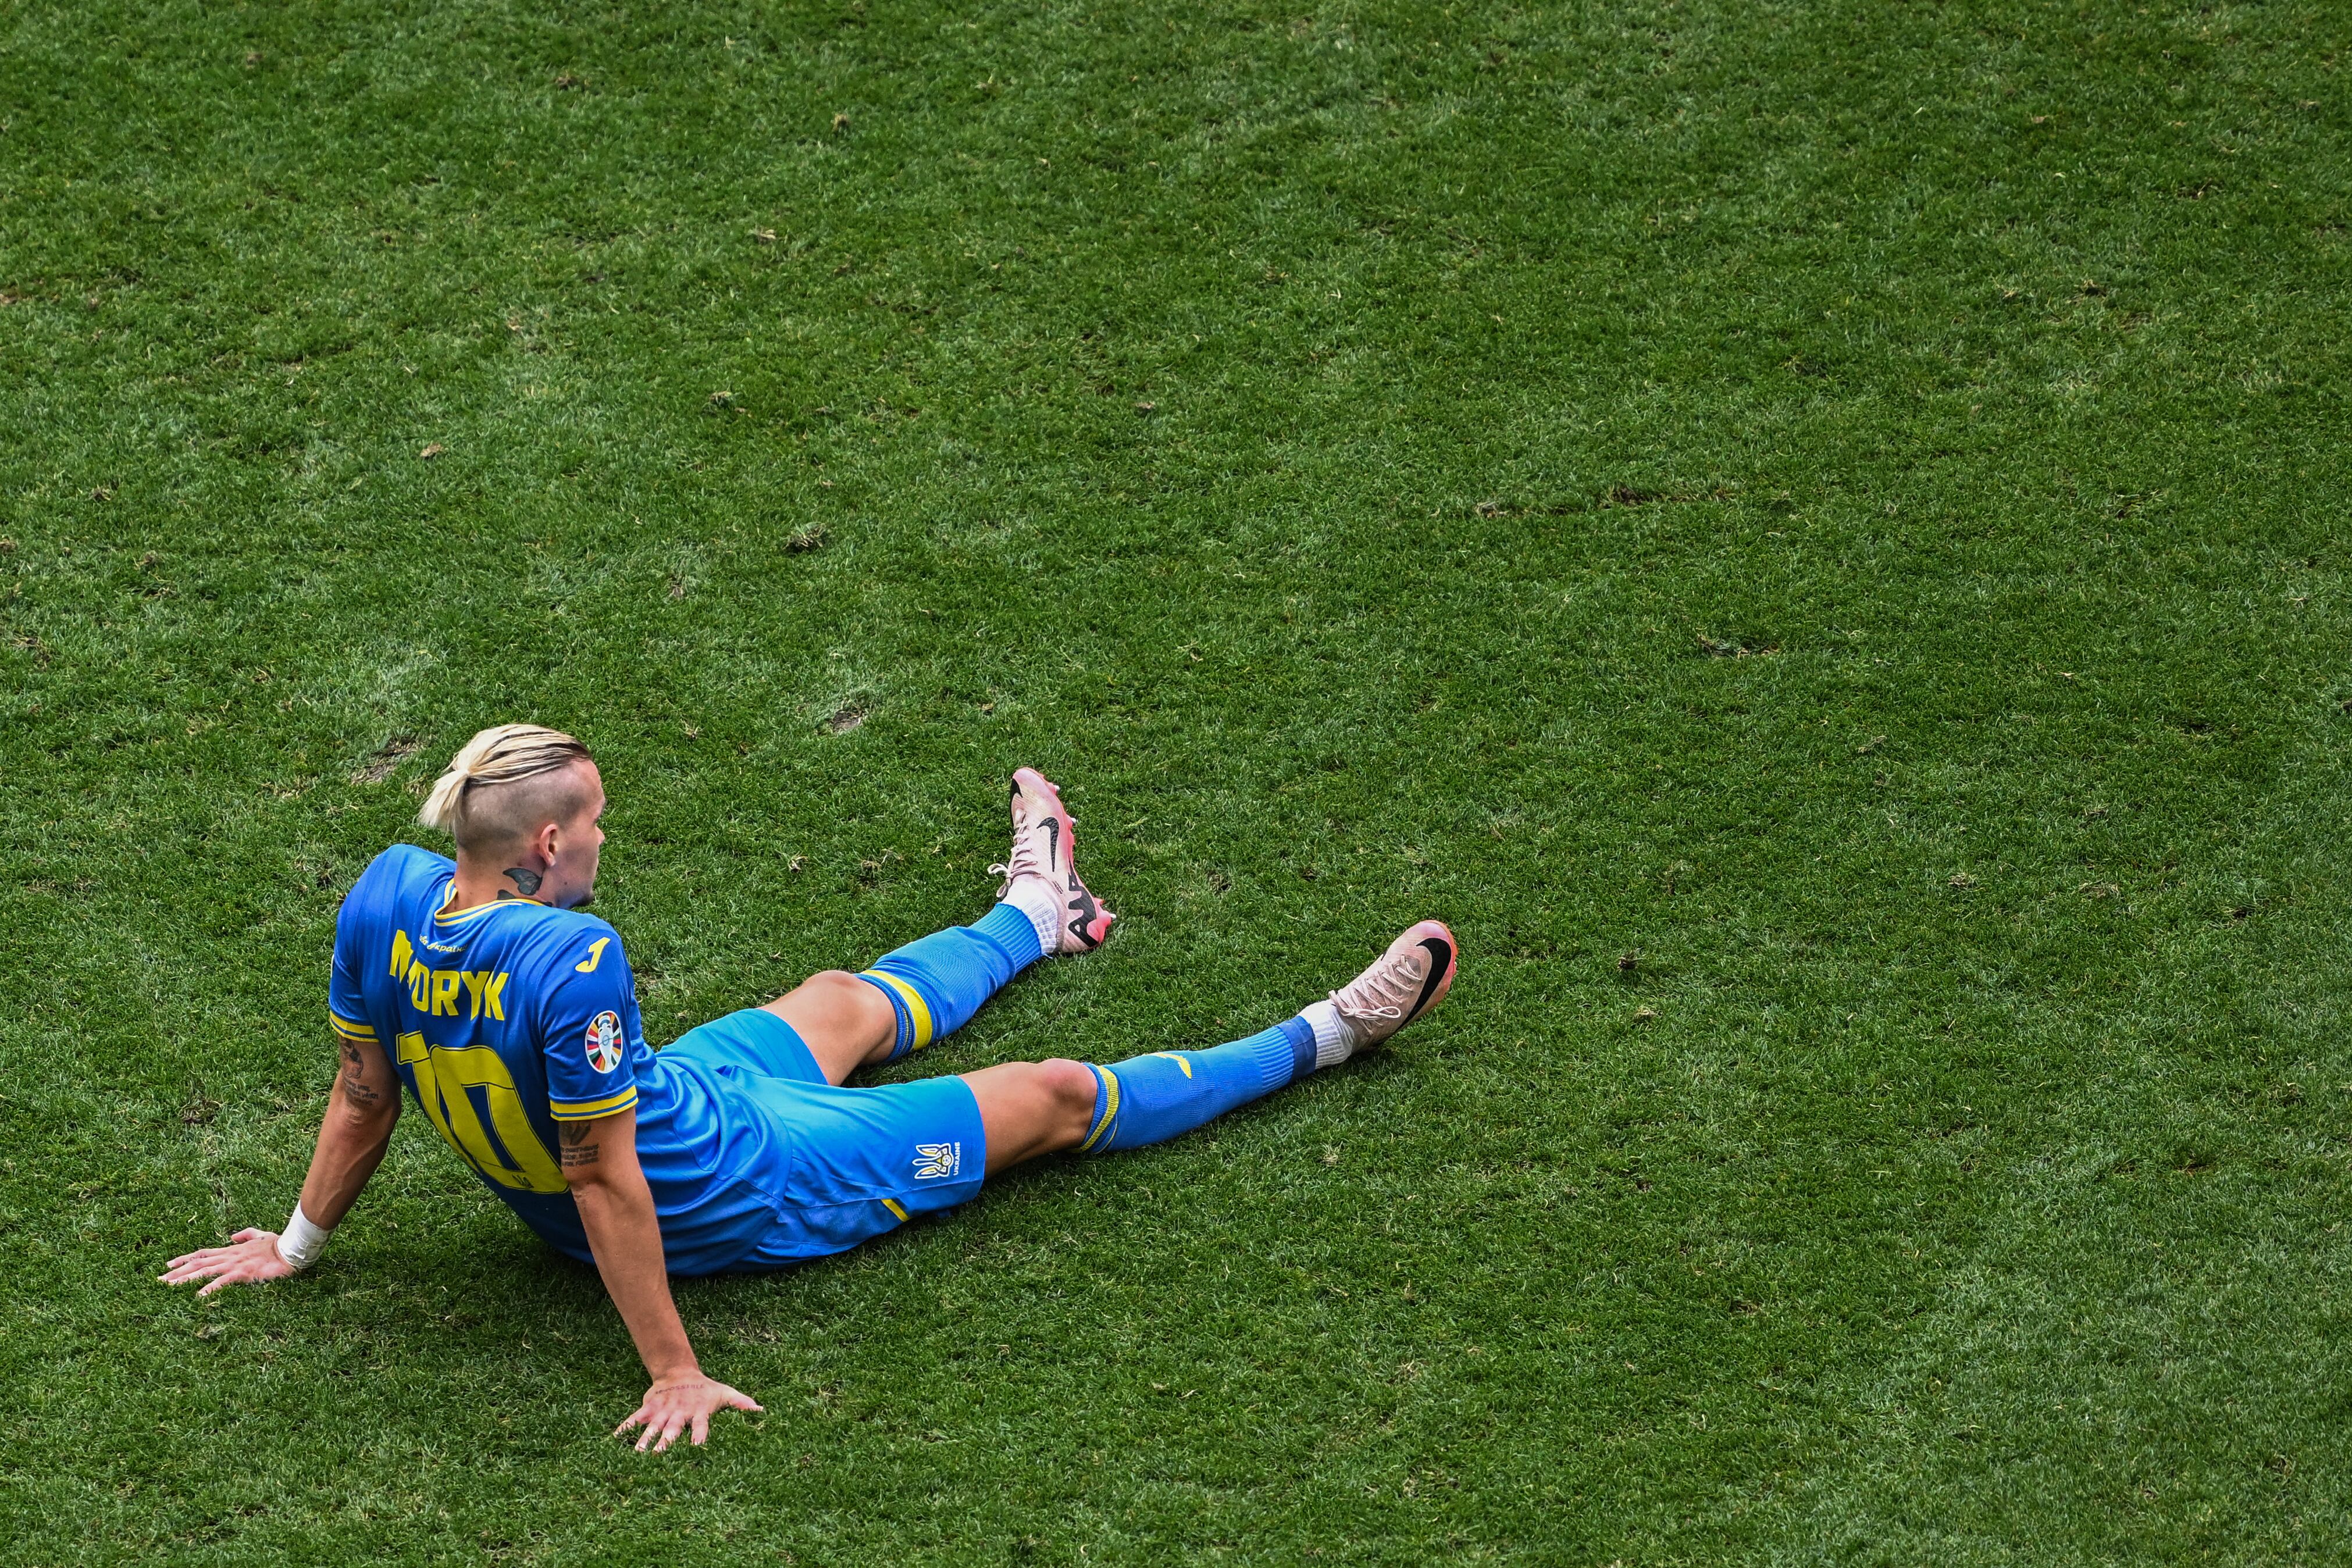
250, 1256
685, 1404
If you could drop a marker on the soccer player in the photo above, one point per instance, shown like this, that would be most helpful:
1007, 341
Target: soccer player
509, 1017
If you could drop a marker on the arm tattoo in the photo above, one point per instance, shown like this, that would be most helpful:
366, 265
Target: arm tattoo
577, 1150
524, 879
354, 1065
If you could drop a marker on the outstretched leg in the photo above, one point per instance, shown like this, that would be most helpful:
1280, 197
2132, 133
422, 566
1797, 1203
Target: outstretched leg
1029, 1109
929, 988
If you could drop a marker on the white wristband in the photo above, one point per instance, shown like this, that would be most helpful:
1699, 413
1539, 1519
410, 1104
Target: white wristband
303, 1240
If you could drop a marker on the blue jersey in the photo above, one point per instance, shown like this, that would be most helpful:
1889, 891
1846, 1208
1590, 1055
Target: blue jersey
508, 1017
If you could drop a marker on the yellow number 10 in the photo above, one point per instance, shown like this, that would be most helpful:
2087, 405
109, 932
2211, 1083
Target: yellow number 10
443, 1077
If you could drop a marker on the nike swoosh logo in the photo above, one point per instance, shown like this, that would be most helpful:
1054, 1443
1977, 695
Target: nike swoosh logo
1441, 957
1052, 841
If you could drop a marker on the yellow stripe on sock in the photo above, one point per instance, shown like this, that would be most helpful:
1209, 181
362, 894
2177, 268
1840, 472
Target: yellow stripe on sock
1111, 1108
916, 1007
892, 1204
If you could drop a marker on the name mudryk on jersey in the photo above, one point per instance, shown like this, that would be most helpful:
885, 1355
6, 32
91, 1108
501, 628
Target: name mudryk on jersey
448, 992
447, 1077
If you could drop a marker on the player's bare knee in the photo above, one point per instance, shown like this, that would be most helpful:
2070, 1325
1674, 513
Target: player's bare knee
1069, 1088
831, 988
838, 981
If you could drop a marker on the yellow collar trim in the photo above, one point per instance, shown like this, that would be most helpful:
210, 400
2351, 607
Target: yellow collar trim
441, 916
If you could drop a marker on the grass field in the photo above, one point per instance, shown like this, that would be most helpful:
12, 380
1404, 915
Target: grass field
1814, 535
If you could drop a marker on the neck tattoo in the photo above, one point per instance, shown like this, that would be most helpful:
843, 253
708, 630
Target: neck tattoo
525, 879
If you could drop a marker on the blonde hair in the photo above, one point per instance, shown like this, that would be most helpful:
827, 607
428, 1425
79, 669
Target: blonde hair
475, 801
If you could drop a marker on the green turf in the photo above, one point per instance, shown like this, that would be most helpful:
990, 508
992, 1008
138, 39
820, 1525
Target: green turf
1813, 535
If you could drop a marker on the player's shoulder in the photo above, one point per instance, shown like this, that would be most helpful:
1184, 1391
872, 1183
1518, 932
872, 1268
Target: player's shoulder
404, 864
402, 869
557, 941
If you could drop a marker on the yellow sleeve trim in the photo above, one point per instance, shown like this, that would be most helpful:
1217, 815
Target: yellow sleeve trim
356, 1031
590, 1109
892, 1204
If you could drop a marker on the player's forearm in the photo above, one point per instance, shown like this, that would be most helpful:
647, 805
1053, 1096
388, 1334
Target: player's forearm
624, 1233
352, 1142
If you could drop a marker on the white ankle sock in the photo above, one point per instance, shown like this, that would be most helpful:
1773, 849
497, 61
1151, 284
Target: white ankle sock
1036, 897
1335, 1042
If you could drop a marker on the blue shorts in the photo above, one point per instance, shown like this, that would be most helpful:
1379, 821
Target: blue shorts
840, 1164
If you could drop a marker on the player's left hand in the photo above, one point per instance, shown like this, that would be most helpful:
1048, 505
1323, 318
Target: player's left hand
674, 1405
250, 1256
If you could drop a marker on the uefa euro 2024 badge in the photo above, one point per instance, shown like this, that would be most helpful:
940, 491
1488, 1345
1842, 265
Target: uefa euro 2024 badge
604, 1041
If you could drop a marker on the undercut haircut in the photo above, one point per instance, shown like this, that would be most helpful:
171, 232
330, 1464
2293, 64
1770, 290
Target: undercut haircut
505, 783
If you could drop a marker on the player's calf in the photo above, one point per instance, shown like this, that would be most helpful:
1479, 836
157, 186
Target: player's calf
1153, 1097
933, 986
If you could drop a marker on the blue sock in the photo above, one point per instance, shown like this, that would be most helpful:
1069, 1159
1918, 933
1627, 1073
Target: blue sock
1146, 1098
936, 985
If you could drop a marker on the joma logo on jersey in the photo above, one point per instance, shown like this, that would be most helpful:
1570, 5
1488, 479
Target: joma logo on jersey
934, 1161
434, 992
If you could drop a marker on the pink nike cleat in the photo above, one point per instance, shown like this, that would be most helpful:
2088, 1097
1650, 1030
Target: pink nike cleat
1042, 877
1408, 980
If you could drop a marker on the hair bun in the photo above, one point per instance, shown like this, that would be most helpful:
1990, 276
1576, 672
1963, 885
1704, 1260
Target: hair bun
501, 754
